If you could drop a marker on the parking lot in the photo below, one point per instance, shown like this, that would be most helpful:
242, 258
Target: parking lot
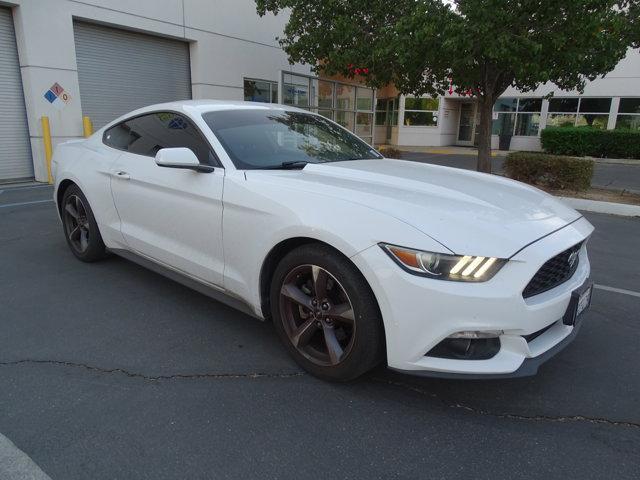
108, 370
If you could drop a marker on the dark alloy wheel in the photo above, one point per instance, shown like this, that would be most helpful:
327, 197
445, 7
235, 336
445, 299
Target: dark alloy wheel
317, 315
76, 223
326, 314
80, 227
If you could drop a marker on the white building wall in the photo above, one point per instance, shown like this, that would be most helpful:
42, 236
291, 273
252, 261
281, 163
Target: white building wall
228, 41
623, 81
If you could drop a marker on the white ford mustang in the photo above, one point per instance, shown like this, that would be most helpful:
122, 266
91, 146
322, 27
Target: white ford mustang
356, 258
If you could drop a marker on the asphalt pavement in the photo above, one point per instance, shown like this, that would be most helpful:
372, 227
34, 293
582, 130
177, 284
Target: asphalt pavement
616, 176
110, 371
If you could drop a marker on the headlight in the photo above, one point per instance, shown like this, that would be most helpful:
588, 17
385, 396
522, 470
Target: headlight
459, 268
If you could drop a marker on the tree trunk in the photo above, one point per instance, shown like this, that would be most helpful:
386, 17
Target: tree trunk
484, 131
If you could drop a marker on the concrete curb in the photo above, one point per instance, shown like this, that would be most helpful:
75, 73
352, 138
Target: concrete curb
611, 208
16, 465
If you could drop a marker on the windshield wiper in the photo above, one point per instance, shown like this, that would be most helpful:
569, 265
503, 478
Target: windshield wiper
288, 165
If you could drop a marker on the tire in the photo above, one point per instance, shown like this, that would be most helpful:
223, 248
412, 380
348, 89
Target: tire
80, 227
310, 325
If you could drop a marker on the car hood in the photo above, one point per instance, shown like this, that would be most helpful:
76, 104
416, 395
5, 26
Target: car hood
468, 212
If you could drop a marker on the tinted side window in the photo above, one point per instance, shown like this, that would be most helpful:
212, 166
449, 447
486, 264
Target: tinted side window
118, 136
149, 133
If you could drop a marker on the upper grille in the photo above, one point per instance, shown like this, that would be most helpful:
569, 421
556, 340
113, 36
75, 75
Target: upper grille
555, 271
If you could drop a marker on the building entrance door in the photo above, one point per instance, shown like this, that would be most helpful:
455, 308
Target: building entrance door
467, 124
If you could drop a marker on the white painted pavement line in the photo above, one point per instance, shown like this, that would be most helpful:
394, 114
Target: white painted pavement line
16, 465
617, 290
25, 203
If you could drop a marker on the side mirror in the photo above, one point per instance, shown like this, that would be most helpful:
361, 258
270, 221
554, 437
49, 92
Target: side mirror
180, 157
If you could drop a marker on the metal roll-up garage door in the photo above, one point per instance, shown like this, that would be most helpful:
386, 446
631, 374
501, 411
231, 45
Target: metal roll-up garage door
120, 71
15, 149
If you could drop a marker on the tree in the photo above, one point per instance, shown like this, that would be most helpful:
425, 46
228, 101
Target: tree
481, 46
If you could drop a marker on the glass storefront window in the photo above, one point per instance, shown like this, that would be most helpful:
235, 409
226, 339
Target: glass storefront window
563, 105
527, 124
506, 104
421, 111
560, 120
503, 125
345, 97
364, 99
346, 119
260, 91
592, 120
415, 103
364, 124
630, 122
629, 105
428, 119
530, 105
334, 100
325, 94
381, 112
296, 90
628, 114
595, 105
326, 113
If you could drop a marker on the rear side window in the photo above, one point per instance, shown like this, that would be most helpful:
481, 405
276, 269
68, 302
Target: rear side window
146, 134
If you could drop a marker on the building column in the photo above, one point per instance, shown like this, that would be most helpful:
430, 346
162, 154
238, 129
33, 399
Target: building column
613, 113
46, 49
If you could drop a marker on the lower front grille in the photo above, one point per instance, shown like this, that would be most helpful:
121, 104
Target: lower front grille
555, 271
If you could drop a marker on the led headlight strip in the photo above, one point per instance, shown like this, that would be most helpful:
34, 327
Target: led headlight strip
443, 266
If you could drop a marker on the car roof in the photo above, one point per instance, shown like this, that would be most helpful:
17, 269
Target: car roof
209, 105
198, 107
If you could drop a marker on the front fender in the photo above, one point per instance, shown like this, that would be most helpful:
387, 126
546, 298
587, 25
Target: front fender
258, 216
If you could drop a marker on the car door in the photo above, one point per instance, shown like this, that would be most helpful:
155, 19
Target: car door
170, 215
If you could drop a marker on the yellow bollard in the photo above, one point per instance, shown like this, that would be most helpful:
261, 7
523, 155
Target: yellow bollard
87, 126
48, 148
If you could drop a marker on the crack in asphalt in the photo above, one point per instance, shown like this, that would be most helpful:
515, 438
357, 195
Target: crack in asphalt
154, 378
405, 386
514, 416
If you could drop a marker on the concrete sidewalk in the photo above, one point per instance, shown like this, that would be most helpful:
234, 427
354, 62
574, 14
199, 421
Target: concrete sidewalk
16, 465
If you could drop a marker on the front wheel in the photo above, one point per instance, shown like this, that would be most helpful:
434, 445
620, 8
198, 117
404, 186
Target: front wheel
326, 314
80, 226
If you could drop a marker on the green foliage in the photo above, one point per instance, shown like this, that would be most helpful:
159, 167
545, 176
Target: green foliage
550, 171
592, 142
484, 45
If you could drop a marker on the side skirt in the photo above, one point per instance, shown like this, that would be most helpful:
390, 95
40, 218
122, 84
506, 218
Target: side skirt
209, 290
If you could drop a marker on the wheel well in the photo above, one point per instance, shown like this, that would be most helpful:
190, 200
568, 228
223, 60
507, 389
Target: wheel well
61, 189
276, 254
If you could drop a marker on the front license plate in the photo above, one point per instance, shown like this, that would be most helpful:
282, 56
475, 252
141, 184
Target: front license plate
580, 301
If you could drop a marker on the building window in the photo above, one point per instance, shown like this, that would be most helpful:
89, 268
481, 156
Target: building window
421, 112
297, 90
593, 112
584, 111
629, 114
260, 91
387, 112
349, 105
517, 116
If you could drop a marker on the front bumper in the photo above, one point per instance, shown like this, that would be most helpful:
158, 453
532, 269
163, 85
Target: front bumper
420, 312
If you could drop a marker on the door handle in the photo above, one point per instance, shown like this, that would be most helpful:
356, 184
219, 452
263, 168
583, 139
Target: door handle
122, 175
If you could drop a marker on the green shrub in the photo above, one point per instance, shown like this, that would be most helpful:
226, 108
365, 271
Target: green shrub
390, 152
592, 142
551, 171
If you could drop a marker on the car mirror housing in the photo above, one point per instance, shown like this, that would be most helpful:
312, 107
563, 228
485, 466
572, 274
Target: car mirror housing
180, 157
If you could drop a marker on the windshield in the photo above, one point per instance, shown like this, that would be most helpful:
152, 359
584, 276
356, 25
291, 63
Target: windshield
258, 139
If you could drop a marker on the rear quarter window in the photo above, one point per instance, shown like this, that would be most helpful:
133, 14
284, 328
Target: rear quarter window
118, 136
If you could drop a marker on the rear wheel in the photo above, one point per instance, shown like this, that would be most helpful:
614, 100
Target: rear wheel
326, 314
80, 227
